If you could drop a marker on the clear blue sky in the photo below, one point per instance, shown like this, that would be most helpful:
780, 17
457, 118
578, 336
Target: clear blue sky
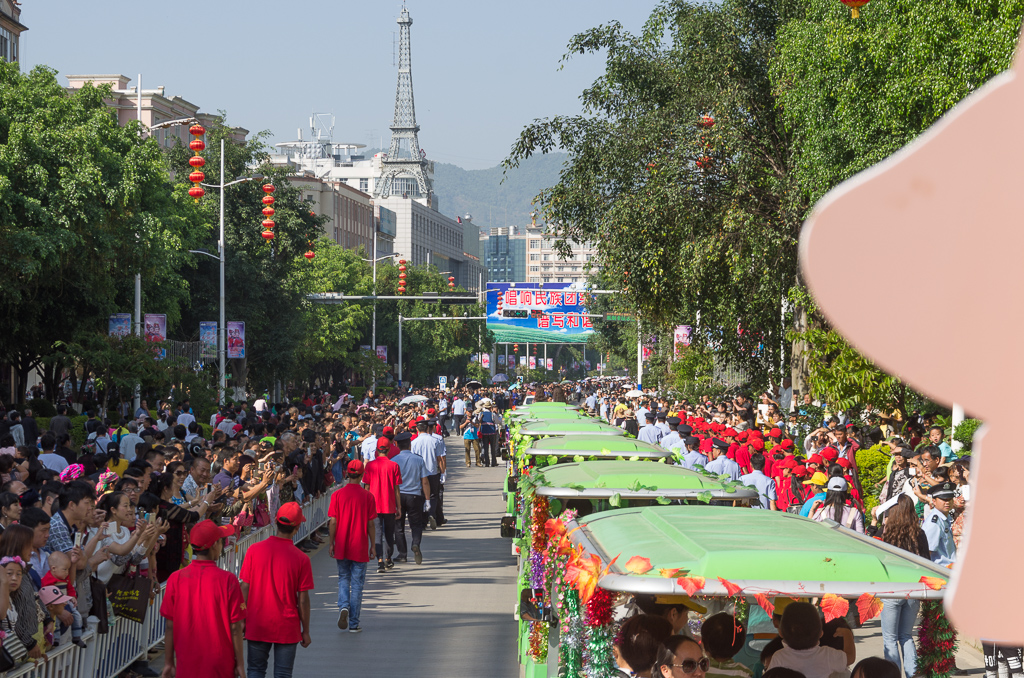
481, 70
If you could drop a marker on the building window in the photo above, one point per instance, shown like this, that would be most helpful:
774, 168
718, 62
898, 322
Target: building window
364, 185
534, 269
534, 257
535, 244
547, 257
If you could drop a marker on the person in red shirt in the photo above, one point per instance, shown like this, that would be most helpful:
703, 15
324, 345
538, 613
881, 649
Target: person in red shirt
276, 580
382, 478
204, 609
352, 513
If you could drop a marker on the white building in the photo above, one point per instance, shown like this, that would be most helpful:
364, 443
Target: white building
423, 235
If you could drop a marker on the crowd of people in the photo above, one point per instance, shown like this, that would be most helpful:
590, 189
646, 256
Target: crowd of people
155, 497
802, 461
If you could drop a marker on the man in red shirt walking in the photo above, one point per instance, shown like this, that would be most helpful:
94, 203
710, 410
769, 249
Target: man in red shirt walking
276, 580
352, 513
204, 610
382, 478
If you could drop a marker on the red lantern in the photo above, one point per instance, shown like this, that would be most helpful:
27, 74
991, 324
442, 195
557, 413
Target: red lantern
451, 279
268, 200
402, 268
268, 235
855, 5
269, 188
401, 277
402, 262
196, 161
309, 255
268, 224
268, 211
401, 290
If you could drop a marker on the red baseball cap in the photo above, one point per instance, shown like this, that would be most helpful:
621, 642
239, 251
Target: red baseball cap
383, 443
844, 462
800, 471
355, 467
290, 514
742, 435
814, 459
786, 444
729, 433
206, 533
788, 462
412, 423
829, 453
754, 433
775, 433
431, 411
387, 430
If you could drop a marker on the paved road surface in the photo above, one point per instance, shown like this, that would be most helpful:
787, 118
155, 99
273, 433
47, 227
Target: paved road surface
450, 616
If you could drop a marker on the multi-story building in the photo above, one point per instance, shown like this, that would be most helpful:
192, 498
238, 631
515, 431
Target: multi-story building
515, 254
11, 29
151, 107
352, 219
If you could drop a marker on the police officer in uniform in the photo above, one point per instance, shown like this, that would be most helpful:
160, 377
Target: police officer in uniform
937, 525
650, 433
662, 426
723, 465
693, 455
672, 437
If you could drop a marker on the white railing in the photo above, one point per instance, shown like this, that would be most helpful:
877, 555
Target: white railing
109, 654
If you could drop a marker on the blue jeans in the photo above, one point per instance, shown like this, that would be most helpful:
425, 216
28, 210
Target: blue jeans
351, 577
259, 658
898, 620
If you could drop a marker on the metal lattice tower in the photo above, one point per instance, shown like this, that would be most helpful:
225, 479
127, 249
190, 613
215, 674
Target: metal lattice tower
405, 156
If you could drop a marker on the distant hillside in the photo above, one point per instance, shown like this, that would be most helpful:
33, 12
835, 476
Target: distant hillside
491, 202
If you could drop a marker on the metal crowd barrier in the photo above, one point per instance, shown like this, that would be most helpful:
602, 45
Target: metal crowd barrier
108, 655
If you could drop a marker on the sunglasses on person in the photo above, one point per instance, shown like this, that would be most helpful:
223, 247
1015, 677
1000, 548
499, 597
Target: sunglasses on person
690, 665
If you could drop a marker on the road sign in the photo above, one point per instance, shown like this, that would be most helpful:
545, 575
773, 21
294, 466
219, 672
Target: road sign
442, 381
619, 317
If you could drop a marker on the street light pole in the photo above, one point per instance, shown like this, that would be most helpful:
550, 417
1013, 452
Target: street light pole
222, 347
373, 336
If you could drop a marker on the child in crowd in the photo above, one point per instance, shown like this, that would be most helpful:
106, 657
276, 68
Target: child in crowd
801, 631
723, 637
60, 577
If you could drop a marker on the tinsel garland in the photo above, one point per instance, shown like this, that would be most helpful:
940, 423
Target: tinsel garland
599, 608
540, 509
936, 647
598, 660
539, 641
536, 569
571, 634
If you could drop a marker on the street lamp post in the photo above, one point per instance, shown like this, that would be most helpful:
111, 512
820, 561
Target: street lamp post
373, 335
222, 347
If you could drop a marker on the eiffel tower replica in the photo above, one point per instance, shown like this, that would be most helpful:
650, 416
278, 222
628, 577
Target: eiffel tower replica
405, 157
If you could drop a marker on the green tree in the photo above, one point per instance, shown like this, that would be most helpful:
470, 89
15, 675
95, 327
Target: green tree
260, 275
84, 206
679, 170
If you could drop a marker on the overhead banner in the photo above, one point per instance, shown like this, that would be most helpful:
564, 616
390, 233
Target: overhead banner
522, 361
120, 324
682, 337
208, 338
236, 339
550, 364
501, 360
486, 360
156, 331
536, 313
533, 362
382, 353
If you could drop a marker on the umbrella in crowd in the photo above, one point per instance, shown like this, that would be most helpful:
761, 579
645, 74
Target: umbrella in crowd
409, 400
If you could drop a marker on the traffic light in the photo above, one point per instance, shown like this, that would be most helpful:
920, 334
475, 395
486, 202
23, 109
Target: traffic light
515, 313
